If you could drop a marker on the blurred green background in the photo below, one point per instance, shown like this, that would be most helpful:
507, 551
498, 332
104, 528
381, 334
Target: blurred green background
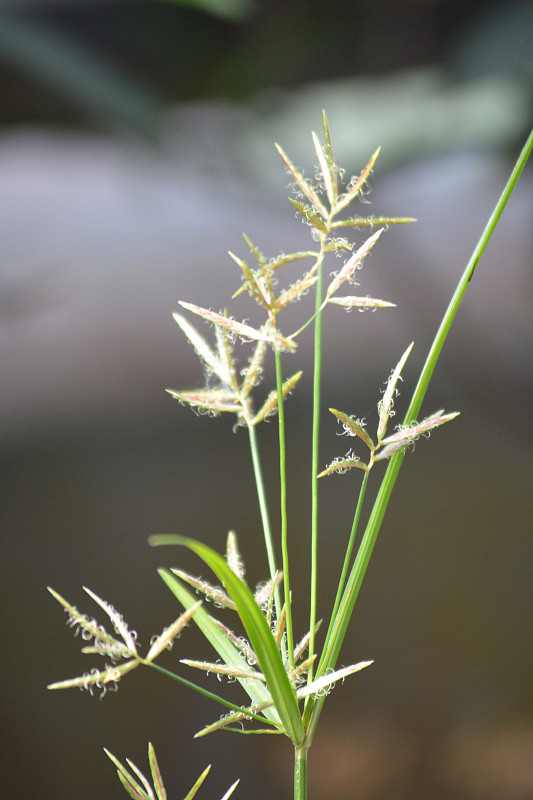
136, 145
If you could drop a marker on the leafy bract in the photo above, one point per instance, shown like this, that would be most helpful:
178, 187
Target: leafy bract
258, 631
220, 642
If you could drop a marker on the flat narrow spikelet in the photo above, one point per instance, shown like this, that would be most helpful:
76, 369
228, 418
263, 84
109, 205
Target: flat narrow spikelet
99, 678
353, 263
290, 383
370, 222
233, 556
230, 791
221, 723
406, 436
338, 245
310, 215
264, 593
214, 593
304, 185
254, 371
140, 790
270, 406
358, 183
417, 429
329, 154
304, 643
202, 349
325, 169
302, 668
117, 620
361, 303
261, 260
295, 291
341, 465
144, 781
130, 787
353, 427
156, 774
224, 669
322, 684
165, 639
90, 628
239, 641
133, 788
225, 354
245, 332
198, 783
280, 626
238, 328
385, 405
283, 259
216, 401
252, 712
254, 285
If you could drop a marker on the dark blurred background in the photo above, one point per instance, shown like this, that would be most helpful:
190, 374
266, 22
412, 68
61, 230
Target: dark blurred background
136, 145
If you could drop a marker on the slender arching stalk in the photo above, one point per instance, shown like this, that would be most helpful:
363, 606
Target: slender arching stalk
283, 509
349, 551
200, 689
265, 518
317, 377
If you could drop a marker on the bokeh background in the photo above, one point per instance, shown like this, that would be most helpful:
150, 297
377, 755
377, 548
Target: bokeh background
136, 145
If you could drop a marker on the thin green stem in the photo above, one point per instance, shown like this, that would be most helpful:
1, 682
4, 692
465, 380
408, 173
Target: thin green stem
201, 690
306, 324
283, 509
334, 641
317, 375
300, 773
349, 550
265, 518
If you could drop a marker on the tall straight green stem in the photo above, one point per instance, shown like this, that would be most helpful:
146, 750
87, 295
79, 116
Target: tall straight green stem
300, 773
349, 550
334, 641
283, 509
317, 376
265, 518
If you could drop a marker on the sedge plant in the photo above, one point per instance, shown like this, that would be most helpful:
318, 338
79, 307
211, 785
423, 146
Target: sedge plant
285, 675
